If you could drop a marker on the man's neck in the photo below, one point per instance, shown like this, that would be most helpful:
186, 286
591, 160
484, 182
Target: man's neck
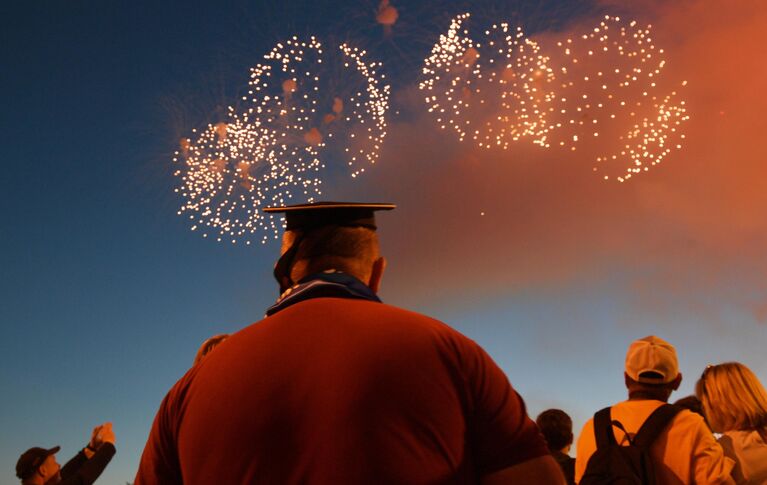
648, 396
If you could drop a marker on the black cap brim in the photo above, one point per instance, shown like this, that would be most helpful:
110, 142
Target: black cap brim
319, 214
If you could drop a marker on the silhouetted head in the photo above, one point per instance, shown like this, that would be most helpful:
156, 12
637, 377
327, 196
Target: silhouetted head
557, 427
652, 369
38, 466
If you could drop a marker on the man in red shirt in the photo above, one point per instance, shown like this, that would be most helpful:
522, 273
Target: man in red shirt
335, 387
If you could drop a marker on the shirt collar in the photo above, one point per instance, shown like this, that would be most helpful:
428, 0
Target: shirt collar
329, 284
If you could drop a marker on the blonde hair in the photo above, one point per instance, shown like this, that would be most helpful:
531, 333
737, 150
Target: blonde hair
733, 398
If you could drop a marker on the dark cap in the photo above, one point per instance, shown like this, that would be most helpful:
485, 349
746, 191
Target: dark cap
308, 217
319, 214
31, 459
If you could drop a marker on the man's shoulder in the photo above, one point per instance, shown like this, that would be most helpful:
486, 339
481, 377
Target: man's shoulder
633, 409
638, 408
688, 421
684, 423
356, 307
410, 315
387, 318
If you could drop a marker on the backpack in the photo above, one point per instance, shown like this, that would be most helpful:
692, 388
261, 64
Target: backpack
614, 464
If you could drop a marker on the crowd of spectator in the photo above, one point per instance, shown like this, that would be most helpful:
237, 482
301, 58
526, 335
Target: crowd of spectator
335, 387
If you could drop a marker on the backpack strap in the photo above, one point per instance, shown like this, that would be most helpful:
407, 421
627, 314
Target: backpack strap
603, 429
654, 424
620, 426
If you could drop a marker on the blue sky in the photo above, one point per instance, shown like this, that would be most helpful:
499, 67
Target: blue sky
106, 294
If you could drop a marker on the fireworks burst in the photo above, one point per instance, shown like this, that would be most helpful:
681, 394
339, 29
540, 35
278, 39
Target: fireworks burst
493, 92
611, 87
304, 107
604, 86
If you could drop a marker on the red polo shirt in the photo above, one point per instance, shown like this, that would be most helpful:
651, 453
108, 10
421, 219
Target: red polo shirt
337, 391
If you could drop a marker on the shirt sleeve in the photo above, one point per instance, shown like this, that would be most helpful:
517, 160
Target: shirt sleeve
71, 467
711, 465
159, 461
502, 434
728, 447
584, 449
90, 468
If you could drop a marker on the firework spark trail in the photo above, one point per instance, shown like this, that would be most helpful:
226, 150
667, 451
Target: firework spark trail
604, 86
304, 106
493, 92
610, 87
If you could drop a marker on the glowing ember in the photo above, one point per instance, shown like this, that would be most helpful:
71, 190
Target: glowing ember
387, 15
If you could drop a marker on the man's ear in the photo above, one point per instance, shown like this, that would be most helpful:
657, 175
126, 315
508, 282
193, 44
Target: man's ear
677, 381
376, 273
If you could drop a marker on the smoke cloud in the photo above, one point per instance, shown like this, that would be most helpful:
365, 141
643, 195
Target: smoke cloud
486, 222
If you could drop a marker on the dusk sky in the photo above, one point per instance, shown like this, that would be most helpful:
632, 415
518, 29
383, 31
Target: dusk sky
106, 293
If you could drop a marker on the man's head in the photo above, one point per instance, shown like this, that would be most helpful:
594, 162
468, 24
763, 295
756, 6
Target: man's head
557, 427
38, 466
330, 235
352, 250
652, 369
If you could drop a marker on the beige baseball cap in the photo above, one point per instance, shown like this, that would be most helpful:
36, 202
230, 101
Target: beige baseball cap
652, 360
